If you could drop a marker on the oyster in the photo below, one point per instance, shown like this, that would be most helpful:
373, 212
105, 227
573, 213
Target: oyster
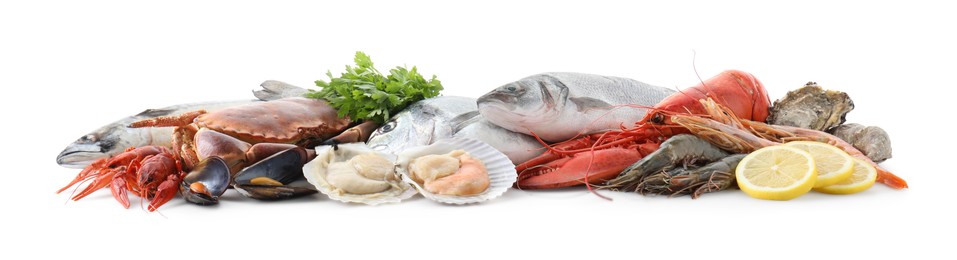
355, 173
870, 140
421, 167
811, 107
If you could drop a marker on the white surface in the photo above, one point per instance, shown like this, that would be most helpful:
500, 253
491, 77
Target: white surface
69, 67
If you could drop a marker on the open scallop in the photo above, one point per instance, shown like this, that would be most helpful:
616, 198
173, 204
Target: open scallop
355, 173
501, 171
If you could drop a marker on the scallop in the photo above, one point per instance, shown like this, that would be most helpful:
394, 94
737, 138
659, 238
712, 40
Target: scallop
434, 166
427, 167
355, 173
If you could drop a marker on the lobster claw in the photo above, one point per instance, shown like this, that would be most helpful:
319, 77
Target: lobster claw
601, 165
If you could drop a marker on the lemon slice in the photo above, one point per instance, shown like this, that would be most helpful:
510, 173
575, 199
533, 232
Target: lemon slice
862, 178
776, 173
833, 164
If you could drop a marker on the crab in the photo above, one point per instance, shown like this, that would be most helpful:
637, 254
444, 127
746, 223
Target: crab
243, 134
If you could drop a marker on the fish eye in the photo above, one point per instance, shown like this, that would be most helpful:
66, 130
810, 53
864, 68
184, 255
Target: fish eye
388, 127
510, 88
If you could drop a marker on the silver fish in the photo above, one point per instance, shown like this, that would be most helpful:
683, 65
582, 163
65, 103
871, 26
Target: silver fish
433, 119
115, 137
559, 105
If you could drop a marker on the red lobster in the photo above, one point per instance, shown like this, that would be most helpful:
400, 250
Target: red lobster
150, 172
602, 156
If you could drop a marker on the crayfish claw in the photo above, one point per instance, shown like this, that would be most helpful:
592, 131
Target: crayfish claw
118, 188
164, 193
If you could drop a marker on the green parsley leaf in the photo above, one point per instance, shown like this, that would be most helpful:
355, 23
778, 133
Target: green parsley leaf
363, 93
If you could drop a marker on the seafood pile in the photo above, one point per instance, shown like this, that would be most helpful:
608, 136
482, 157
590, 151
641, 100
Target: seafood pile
727, 113
545, 131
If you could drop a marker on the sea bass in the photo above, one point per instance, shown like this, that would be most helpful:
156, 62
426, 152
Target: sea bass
115, 137
557, 106
433, 119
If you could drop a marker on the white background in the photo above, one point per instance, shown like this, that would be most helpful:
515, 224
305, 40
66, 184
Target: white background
70, 67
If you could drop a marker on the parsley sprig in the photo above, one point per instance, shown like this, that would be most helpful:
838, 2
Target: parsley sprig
363, 93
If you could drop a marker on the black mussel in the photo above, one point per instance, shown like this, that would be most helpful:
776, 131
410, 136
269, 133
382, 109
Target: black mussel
206, 182
268, 192
269, 178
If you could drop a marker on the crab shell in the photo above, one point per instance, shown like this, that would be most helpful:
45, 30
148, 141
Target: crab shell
289, 120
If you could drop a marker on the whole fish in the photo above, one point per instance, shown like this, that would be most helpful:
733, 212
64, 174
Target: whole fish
557, 106
433, 119
115, 137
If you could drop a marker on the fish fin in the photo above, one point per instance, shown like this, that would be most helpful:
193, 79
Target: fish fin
586, 103
150, 113
274, 89
459, 122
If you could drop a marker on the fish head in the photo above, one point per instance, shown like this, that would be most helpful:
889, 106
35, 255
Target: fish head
102, 143
398, 134
534, 99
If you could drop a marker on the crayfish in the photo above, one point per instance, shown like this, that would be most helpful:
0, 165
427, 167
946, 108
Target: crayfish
150, 172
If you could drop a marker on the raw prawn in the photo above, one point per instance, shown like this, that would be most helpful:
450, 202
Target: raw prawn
715, 176
678, 151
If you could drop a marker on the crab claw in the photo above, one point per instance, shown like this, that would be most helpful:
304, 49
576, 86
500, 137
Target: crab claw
601, 165
358, 133
165, 192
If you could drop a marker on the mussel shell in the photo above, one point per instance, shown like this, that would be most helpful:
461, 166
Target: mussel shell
268, 192
212, 173
284, 167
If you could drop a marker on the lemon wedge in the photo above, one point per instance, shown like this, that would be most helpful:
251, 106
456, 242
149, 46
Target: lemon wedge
776, 173
833, 164
862, 178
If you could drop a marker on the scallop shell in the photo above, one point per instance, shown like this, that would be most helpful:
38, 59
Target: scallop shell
315, 172
501, 171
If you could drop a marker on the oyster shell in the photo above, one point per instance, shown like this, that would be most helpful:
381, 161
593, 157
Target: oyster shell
811, 107
501, 171
357, 174
870, 140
